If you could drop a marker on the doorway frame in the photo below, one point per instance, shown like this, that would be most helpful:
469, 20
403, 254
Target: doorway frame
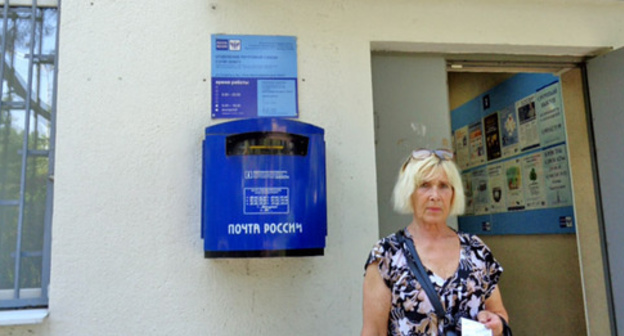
597, 297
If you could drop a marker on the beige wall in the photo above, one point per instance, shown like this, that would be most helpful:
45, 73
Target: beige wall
541, 276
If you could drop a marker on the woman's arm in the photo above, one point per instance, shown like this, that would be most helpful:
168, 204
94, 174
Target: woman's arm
494, 311
376, 303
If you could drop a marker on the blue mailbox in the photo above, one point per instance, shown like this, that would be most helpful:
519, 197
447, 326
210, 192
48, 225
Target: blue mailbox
263, 189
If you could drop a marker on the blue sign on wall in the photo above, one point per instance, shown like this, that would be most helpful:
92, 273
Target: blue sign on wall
254, 76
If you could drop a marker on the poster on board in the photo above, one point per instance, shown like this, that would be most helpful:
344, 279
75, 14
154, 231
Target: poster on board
475, 139
480, 191
254, 76
527, 119
557, 175
550, 115
514, 192
492, 136
509, 131
468, 193
533, 181
496, 185
462, 149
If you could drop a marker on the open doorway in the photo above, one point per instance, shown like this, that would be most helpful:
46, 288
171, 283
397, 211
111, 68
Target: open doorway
542, 271
553, 283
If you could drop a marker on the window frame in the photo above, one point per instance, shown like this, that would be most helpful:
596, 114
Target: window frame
17, 297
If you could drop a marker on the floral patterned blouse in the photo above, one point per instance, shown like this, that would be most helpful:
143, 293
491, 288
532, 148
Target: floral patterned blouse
462, 295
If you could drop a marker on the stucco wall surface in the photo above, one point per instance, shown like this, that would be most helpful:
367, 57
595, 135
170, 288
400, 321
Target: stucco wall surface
134, 98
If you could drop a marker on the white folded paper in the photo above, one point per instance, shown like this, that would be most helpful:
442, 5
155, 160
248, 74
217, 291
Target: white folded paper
474, 328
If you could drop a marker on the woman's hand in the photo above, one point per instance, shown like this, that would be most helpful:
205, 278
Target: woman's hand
493, 313
491, 321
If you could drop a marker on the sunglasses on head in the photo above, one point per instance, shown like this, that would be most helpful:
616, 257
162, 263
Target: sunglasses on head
423, 153
442, 154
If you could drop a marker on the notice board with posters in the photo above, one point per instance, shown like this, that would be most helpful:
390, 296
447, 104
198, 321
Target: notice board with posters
510, 145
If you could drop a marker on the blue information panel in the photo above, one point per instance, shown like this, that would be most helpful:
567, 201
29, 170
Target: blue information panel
510, 144
254, 76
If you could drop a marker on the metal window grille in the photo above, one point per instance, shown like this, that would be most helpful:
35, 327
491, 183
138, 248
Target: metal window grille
29, 43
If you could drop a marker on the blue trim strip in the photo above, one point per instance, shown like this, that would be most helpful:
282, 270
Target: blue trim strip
540, 221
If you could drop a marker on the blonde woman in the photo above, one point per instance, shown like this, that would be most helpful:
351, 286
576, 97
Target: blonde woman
461, 267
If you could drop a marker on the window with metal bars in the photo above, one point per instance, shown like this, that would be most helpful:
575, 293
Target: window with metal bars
27, 117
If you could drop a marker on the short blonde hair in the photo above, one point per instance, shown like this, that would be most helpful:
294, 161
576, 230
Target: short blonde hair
415, 171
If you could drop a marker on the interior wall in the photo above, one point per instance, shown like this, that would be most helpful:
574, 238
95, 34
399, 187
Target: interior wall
537, 277
411, 112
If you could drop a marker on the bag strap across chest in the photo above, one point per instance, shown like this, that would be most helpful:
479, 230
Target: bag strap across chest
415, 265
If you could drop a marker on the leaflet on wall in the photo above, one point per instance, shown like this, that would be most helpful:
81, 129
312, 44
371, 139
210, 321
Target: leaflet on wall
480, 191
513, 187
509, 131
528, 127
557, 175
468, 193
462, 150
550, 115
492, 136
475, 138
254, 76
497, 179
533, 181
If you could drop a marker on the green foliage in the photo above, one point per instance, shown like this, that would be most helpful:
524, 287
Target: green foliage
11, 141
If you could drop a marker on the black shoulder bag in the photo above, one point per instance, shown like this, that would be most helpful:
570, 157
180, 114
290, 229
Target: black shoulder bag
418, 270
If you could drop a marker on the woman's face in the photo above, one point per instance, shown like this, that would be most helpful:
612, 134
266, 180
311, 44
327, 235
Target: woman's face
432, 199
